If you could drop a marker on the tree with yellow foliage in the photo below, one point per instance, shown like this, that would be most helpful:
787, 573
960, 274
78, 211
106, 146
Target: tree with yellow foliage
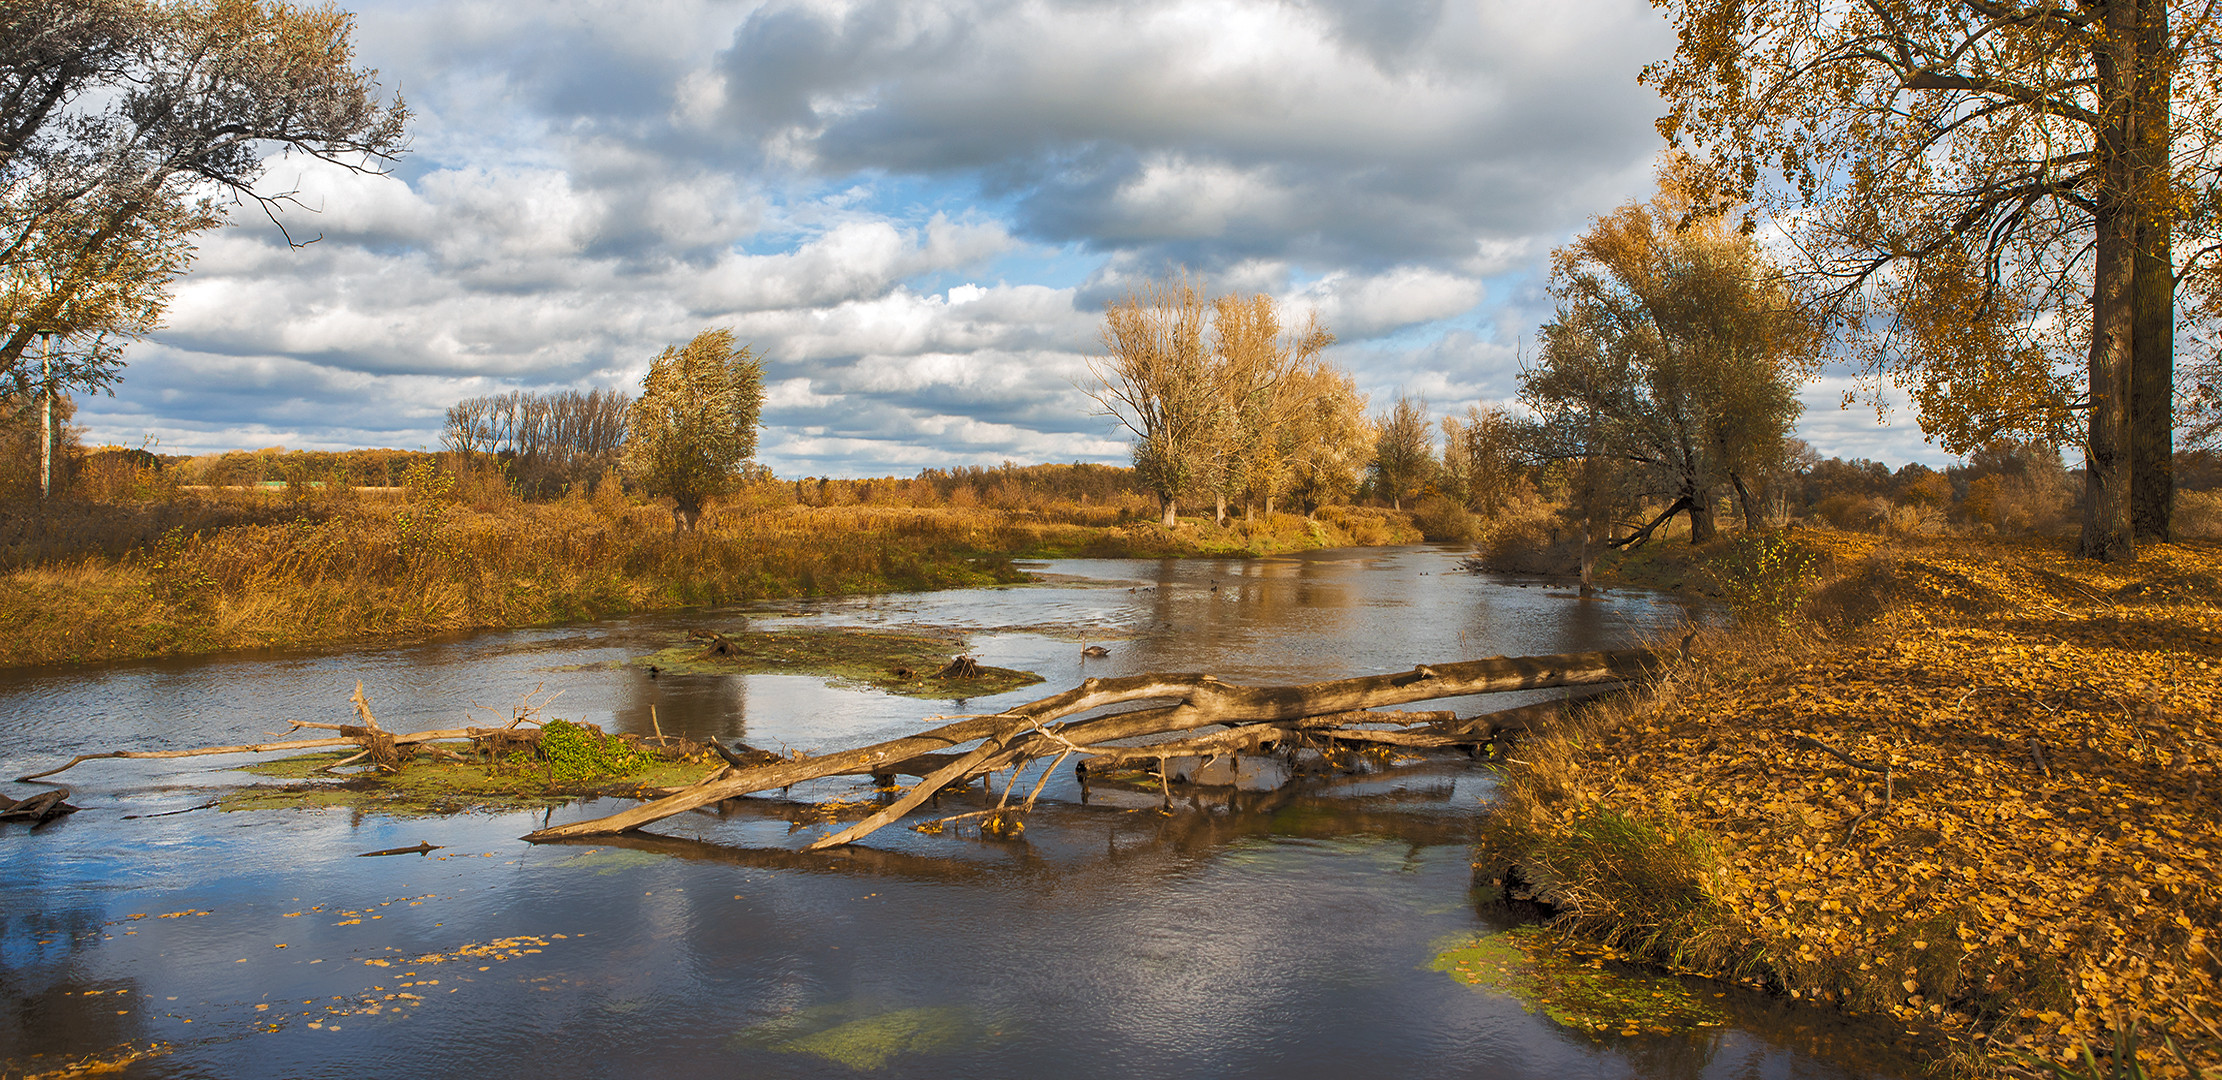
124, 124
694, 424
1673, 353
1993, 192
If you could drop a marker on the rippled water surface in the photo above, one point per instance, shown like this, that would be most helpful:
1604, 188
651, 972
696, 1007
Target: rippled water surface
1282, 933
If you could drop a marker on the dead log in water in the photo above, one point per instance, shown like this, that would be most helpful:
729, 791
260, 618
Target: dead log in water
1041, 728
384, 748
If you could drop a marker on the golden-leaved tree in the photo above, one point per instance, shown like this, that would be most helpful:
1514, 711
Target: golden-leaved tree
1251, 370
694, 424
1674, 353
124, 125
1211, 407
1993, 191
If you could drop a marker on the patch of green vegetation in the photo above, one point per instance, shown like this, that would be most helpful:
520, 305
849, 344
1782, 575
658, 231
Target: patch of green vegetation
1578, 986
897, 661
847, 1034
425, 788
574, 754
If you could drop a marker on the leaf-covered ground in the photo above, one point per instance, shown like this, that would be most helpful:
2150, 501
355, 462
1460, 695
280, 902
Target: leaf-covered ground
2040, 864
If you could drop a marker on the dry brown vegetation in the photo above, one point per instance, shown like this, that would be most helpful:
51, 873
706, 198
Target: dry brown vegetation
199, 572
2036, 869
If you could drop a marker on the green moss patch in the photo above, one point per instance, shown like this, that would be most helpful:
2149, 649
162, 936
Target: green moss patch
427, 787
1577, 985
897, 661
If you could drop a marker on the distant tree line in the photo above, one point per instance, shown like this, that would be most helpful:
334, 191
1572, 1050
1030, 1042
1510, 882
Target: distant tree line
547, 441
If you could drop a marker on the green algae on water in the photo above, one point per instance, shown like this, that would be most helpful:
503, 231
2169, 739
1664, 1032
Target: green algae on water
897, 661
1579, 986
852, 1034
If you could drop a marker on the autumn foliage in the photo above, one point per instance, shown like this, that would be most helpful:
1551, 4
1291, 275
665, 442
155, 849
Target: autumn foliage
2039, 866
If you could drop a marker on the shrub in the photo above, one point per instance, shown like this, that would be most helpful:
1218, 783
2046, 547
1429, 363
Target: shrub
1764, 577
1440, 518
1646, 886
2198, 514
1856, 513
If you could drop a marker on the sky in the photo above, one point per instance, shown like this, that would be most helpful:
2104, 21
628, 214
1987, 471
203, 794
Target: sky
914, 211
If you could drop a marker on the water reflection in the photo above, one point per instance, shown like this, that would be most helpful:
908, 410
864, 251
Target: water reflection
1280, 933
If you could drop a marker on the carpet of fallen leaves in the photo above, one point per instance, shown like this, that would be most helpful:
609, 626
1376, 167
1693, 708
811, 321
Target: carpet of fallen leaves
2040, 863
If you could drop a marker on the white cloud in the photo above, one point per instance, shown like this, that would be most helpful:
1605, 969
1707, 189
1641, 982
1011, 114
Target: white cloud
913, 209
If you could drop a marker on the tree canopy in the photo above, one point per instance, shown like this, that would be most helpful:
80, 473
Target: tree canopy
126, 125
1213, 408
1993, 194
694, 423
1673, 352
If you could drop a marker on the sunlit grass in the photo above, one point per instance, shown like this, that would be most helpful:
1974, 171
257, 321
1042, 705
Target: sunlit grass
349, 565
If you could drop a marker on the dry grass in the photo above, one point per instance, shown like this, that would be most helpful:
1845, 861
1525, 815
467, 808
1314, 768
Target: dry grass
2041, 866
318, 566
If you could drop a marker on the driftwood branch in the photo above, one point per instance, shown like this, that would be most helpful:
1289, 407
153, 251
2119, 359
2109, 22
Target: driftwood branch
1042, 727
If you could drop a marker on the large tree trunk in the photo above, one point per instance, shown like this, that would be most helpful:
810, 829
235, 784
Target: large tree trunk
1701, 514
1744, 500
1165, 503
2152, 379
2106, 526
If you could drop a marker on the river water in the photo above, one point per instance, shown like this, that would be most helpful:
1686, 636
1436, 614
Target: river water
1282, 933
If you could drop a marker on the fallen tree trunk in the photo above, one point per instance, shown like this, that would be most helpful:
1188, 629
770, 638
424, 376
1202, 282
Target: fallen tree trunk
1025, 732
380, 745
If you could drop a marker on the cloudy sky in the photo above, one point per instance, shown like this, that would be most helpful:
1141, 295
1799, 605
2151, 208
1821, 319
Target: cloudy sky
915, 211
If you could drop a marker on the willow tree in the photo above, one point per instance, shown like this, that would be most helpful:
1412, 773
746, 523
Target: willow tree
694, 424
1153, 380
1992, 190
1674, 352
125, 128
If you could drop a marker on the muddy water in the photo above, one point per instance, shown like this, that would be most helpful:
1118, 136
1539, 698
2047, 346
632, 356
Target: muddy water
1254, 933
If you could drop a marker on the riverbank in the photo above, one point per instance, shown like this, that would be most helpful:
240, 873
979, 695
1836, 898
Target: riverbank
1969, 785
357, 567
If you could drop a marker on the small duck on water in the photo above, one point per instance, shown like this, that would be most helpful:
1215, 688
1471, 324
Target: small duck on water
1095, 650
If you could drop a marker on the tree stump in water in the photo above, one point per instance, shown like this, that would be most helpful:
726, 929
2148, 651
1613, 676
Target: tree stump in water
719, 644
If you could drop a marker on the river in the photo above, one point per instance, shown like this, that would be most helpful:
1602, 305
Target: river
1283, 933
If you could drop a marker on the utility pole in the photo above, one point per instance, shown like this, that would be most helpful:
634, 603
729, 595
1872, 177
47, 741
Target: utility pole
46, 413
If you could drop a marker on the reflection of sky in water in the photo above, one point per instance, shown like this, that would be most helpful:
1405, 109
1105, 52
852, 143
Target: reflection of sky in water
1322, 615
1280, 934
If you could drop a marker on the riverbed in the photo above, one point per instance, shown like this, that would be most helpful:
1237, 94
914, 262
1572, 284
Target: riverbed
1286, 932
